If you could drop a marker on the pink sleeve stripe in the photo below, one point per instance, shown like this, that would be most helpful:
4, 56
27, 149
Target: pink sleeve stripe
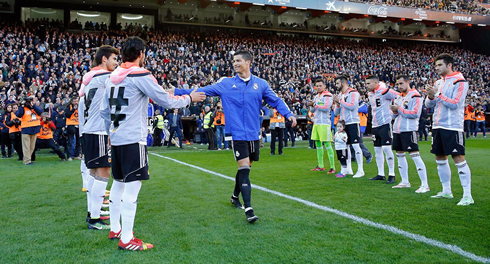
458, 95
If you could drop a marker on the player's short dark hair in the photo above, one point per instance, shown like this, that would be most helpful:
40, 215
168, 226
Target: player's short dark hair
404, 77
246, 55
341, 78
446, 58
132, 48
372, 77
317, 80
104, 51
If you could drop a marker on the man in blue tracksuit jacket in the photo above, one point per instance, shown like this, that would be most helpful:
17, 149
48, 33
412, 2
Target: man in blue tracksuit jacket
242, 97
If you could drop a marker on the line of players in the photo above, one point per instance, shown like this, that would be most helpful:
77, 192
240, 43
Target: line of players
114, 102
447, 96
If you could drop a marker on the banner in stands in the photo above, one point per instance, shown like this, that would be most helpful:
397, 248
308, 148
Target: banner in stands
376, 10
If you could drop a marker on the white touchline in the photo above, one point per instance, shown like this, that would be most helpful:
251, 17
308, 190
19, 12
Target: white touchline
419, 238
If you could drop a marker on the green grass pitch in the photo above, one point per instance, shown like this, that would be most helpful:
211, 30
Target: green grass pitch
186, 213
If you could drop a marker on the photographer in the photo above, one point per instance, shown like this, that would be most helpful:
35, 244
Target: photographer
59, 120
73, 140
219, 122
14, 124
45, 137
480, 120
29, 116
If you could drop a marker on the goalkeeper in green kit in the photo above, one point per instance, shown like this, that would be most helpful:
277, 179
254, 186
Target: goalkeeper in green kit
322, 132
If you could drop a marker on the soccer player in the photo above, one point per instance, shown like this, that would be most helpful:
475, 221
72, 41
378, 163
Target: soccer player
322, 131
447, 96
95, 137
125, 111
407, 109
242, 97
347, 105
380, 98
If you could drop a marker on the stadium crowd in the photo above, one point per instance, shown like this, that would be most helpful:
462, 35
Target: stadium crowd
458, 6
39, 60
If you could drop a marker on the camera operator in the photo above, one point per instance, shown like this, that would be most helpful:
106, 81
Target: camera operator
14, 124
73, 140
59, 120
29, 115
45, 137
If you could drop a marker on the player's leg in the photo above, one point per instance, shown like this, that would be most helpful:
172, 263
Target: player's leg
235, 197
354, 138
465, 178
319, 156
329, 148
443, 169
248, 151
403, 169
422, 171
134, 171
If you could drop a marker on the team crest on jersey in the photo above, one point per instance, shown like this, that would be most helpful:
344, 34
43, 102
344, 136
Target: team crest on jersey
256, 86
405, 104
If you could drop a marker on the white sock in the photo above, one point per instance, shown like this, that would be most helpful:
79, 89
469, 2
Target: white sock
115, 197
97, 195
465, 178
444, 172
359, 157
421, 170
90, 183
349, 157
390, 159
403, 167
85, 174
128, 209
343, 169
380, 160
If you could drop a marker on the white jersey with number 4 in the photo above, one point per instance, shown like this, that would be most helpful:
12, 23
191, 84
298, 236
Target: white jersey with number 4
125, 104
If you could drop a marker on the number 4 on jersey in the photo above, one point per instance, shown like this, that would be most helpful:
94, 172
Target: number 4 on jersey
119, 102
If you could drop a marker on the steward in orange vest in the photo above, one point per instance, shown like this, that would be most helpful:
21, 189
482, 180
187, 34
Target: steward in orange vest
15, 126
45, 137
73, 138
29, 114
277, 125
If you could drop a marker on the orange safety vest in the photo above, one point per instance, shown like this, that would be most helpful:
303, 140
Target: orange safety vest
467, 114
219, 115
46, 132
277, 117
73, 120
363, 118
14, 129
310, 114
30, 118
480, 117
472, 116
336, 120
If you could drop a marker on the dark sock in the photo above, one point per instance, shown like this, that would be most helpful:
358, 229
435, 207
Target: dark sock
236, 192
244, 184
